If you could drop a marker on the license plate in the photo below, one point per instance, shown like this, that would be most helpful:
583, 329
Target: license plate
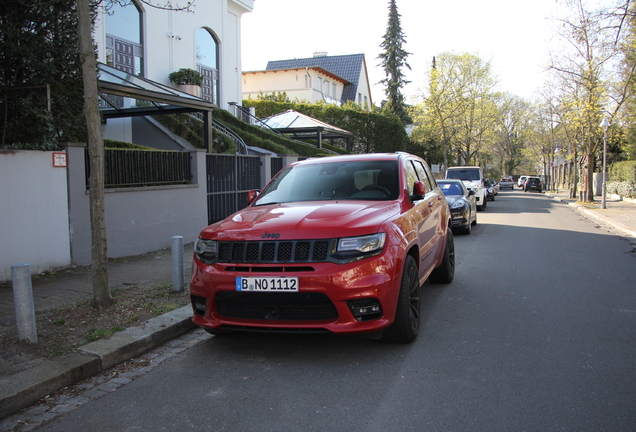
275, 284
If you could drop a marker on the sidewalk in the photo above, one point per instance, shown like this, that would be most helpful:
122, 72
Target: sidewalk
69, 286
618, 215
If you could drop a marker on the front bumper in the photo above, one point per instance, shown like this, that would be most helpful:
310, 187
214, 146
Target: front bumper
328, 294
460, 218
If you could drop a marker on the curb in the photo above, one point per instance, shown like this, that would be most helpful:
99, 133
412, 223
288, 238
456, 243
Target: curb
25, 388
597, 218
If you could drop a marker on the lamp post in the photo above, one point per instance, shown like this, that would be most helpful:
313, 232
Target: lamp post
604, 124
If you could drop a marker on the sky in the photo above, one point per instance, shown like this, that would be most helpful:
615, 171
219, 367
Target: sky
513, 35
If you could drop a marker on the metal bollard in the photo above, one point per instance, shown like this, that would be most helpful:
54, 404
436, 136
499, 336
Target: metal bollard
177, 264
23, 300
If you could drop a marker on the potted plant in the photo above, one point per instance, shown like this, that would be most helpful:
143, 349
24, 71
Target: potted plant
187, 80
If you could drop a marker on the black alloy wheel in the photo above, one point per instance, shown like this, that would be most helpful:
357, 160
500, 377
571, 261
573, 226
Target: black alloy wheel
446, 271
406, 326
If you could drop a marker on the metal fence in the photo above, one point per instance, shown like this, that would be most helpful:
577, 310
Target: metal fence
135, 168
276, 165
230, 178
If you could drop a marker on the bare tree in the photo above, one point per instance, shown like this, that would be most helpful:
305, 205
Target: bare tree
512, 128
587, 68
99, 255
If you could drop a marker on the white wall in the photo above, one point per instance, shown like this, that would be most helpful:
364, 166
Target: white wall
138, 220
34, 220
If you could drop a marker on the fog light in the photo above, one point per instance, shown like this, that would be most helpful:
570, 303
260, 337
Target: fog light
365, 309
198, 305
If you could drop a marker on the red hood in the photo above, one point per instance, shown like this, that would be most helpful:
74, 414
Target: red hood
305, 220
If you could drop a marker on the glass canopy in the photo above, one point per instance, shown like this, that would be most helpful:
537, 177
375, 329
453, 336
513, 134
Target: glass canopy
127, 95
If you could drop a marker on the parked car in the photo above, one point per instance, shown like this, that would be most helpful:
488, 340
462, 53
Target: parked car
338, 244
506, 183
522, 181
533, 183
461, 202
492, 189
473, 178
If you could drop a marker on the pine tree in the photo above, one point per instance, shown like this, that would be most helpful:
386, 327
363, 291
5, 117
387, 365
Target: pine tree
393, 61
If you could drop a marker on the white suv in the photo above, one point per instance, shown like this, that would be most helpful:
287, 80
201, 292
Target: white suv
473, 178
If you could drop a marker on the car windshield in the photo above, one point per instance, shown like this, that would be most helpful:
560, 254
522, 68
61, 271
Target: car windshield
450, 189
355, 180
463, 174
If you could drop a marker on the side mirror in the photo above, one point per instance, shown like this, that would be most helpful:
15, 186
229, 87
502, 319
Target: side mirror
252, 195
419, 190
471, 192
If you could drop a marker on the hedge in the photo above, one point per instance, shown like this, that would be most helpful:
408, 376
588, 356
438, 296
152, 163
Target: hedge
624, 189
373, 132
623, 172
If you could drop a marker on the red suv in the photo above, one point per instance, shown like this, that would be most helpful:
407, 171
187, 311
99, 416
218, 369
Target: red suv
337, 244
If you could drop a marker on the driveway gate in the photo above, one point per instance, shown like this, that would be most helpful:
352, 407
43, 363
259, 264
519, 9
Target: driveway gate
230, 178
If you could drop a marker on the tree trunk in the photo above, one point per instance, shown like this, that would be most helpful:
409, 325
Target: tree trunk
99, 256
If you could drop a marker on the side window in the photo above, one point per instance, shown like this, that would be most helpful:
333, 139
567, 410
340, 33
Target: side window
422, 176
430, 176
411, 176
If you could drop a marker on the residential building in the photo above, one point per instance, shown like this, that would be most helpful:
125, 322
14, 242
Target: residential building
332, 79
153, 42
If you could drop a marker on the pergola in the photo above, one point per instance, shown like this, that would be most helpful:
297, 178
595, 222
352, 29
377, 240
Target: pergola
302, 127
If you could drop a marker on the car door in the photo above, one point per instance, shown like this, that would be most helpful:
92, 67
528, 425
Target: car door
430, 211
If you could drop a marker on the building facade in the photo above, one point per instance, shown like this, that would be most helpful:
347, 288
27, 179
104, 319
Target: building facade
153, 42
332, 79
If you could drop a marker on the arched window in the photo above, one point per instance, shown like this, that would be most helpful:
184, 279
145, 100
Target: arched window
208, 64
124, 42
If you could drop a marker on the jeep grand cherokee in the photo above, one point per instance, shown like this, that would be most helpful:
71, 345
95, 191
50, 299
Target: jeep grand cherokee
337, 244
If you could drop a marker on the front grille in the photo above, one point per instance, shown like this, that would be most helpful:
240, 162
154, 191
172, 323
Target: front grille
275, 306
284, 251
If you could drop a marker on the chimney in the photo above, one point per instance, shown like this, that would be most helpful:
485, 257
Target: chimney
320, 54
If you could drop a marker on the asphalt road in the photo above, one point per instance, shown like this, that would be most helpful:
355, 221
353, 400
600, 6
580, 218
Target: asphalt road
536, 333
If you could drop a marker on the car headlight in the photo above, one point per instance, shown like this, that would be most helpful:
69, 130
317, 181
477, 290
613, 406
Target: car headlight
460, 203
207, 251
351, 249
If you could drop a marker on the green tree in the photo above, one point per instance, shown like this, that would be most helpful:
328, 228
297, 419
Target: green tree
461, 107
393, 60
40, 74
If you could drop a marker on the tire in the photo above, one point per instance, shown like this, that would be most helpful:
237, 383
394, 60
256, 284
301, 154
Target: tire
446, 271
475, 221
467, 229
406, 326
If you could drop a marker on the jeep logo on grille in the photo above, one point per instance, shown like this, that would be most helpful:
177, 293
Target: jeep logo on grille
270, 235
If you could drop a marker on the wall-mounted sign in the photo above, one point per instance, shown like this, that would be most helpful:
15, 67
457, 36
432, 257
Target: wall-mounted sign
59, 160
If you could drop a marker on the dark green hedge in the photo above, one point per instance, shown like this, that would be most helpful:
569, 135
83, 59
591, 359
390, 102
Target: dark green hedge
373, 132
112, 144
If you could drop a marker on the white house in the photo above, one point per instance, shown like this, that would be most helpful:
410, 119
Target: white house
332, 79
311, 84
152, 42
